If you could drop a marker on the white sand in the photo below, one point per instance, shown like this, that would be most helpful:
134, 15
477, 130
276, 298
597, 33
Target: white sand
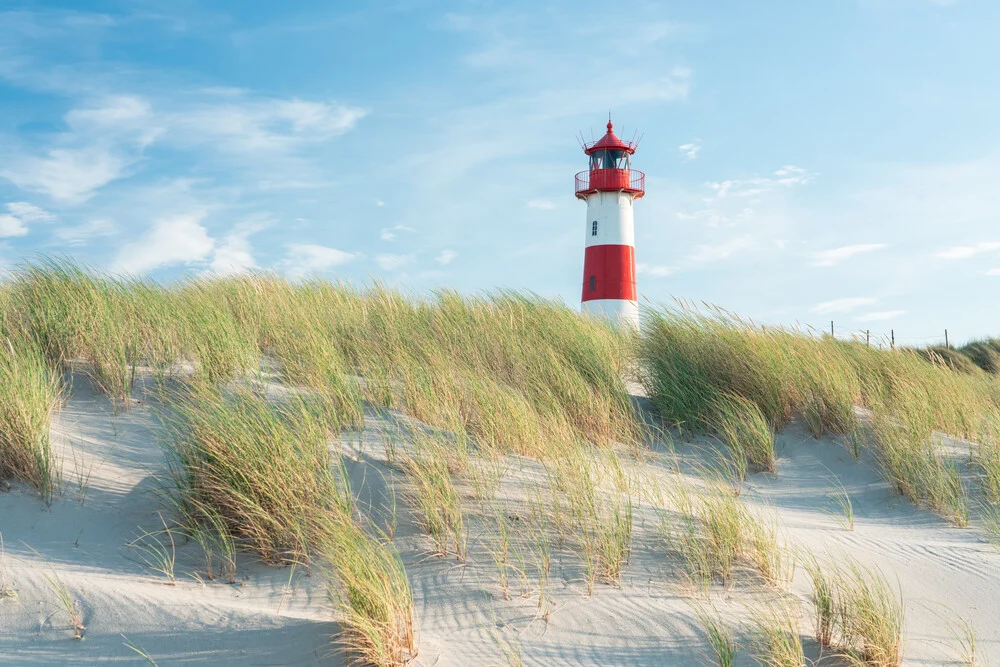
459, 610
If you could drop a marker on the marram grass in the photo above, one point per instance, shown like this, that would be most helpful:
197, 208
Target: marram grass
30, 393
703, 371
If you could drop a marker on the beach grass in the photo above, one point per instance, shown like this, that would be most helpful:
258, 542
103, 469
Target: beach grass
257, 376
859, 614
30, 394
692, 362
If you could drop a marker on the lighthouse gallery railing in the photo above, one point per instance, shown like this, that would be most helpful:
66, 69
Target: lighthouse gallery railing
611, 179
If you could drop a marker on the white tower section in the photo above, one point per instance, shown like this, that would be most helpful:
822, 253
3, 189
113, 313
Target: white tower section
609, 227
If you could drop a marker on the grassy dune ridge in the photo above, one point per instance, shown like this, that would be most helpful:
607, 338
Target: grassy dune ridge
702, 370
259, 375
504, 373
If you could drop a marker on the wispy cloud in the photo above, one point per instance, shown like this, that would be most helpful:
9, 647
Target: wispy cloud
786, 176
19, 213
541, 204
689, 151
105, 140
390, 233
653, 270
835, 256
967, 251
714, 252
843, 305
446, 257
78, 235
304, 259
100, 143
29, 212
70, 175
251, 125
179, 239
234, 254
11, 226
392, 262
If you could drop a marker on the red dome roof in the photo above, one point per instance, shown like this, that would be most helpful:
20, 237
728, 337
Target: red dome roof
609, 141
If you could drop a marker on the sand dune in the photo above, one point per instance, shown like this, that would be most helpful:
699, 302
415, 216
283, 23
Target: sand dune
274, 615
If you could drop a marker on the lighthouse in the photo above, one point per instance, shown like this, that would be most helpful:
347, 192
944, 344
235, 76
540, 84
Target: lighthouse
610, 186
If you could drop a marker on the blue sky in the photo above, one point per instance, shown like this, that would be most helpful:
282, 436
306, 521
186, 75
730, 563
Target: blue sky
805, 161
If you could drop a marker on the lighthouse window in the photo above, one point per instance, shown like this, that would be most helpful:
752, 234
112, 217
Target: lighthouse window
593, 229
593, 283
609, 160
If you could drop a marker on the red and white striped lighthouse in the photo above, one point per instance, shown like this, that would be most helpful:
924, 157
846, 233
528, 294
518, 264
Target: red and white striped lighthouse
610, 186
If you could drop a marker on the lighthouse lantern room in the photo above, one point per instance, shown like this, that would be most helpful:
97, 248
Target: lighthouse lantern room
610, 186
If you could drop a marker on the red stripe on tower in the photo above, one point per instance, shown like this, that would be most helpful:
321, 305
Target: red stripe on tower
610, 186
609, 272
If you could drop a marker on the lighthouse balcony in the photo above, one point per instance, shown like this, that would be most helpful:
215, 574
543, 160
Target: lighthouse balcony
610, 180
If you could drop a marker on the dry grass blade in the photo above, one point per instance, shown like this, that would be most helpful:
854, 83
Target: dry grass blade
775, 634
719, 635
157, 555
437, 497
858, 613
744, 430
67, 603
138, 651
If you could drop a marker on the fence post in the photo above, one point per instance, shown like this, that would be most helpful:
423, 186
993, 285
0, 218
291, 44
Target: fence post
946, 345
892, 342
831, 328
868, 337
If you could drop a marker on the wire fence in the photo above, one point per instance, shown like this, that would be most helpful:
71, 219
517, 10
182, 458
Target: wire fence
890, 340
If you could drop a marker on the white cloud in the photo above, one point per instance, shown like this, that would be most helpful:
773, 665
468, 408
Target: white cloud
689, 151
303, 259
792, 175
446, 257
21, 212
787, 176
719, 251
122, 116
11, 226
993, 272
102, 142
541, 204
379, 203
967, 251
389, 233
843, 305
235, 254
76, 235
174, 240
70, 175
836, 255
880, 315
106, 139
392, 262
653, 270
29, 212
243, 124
